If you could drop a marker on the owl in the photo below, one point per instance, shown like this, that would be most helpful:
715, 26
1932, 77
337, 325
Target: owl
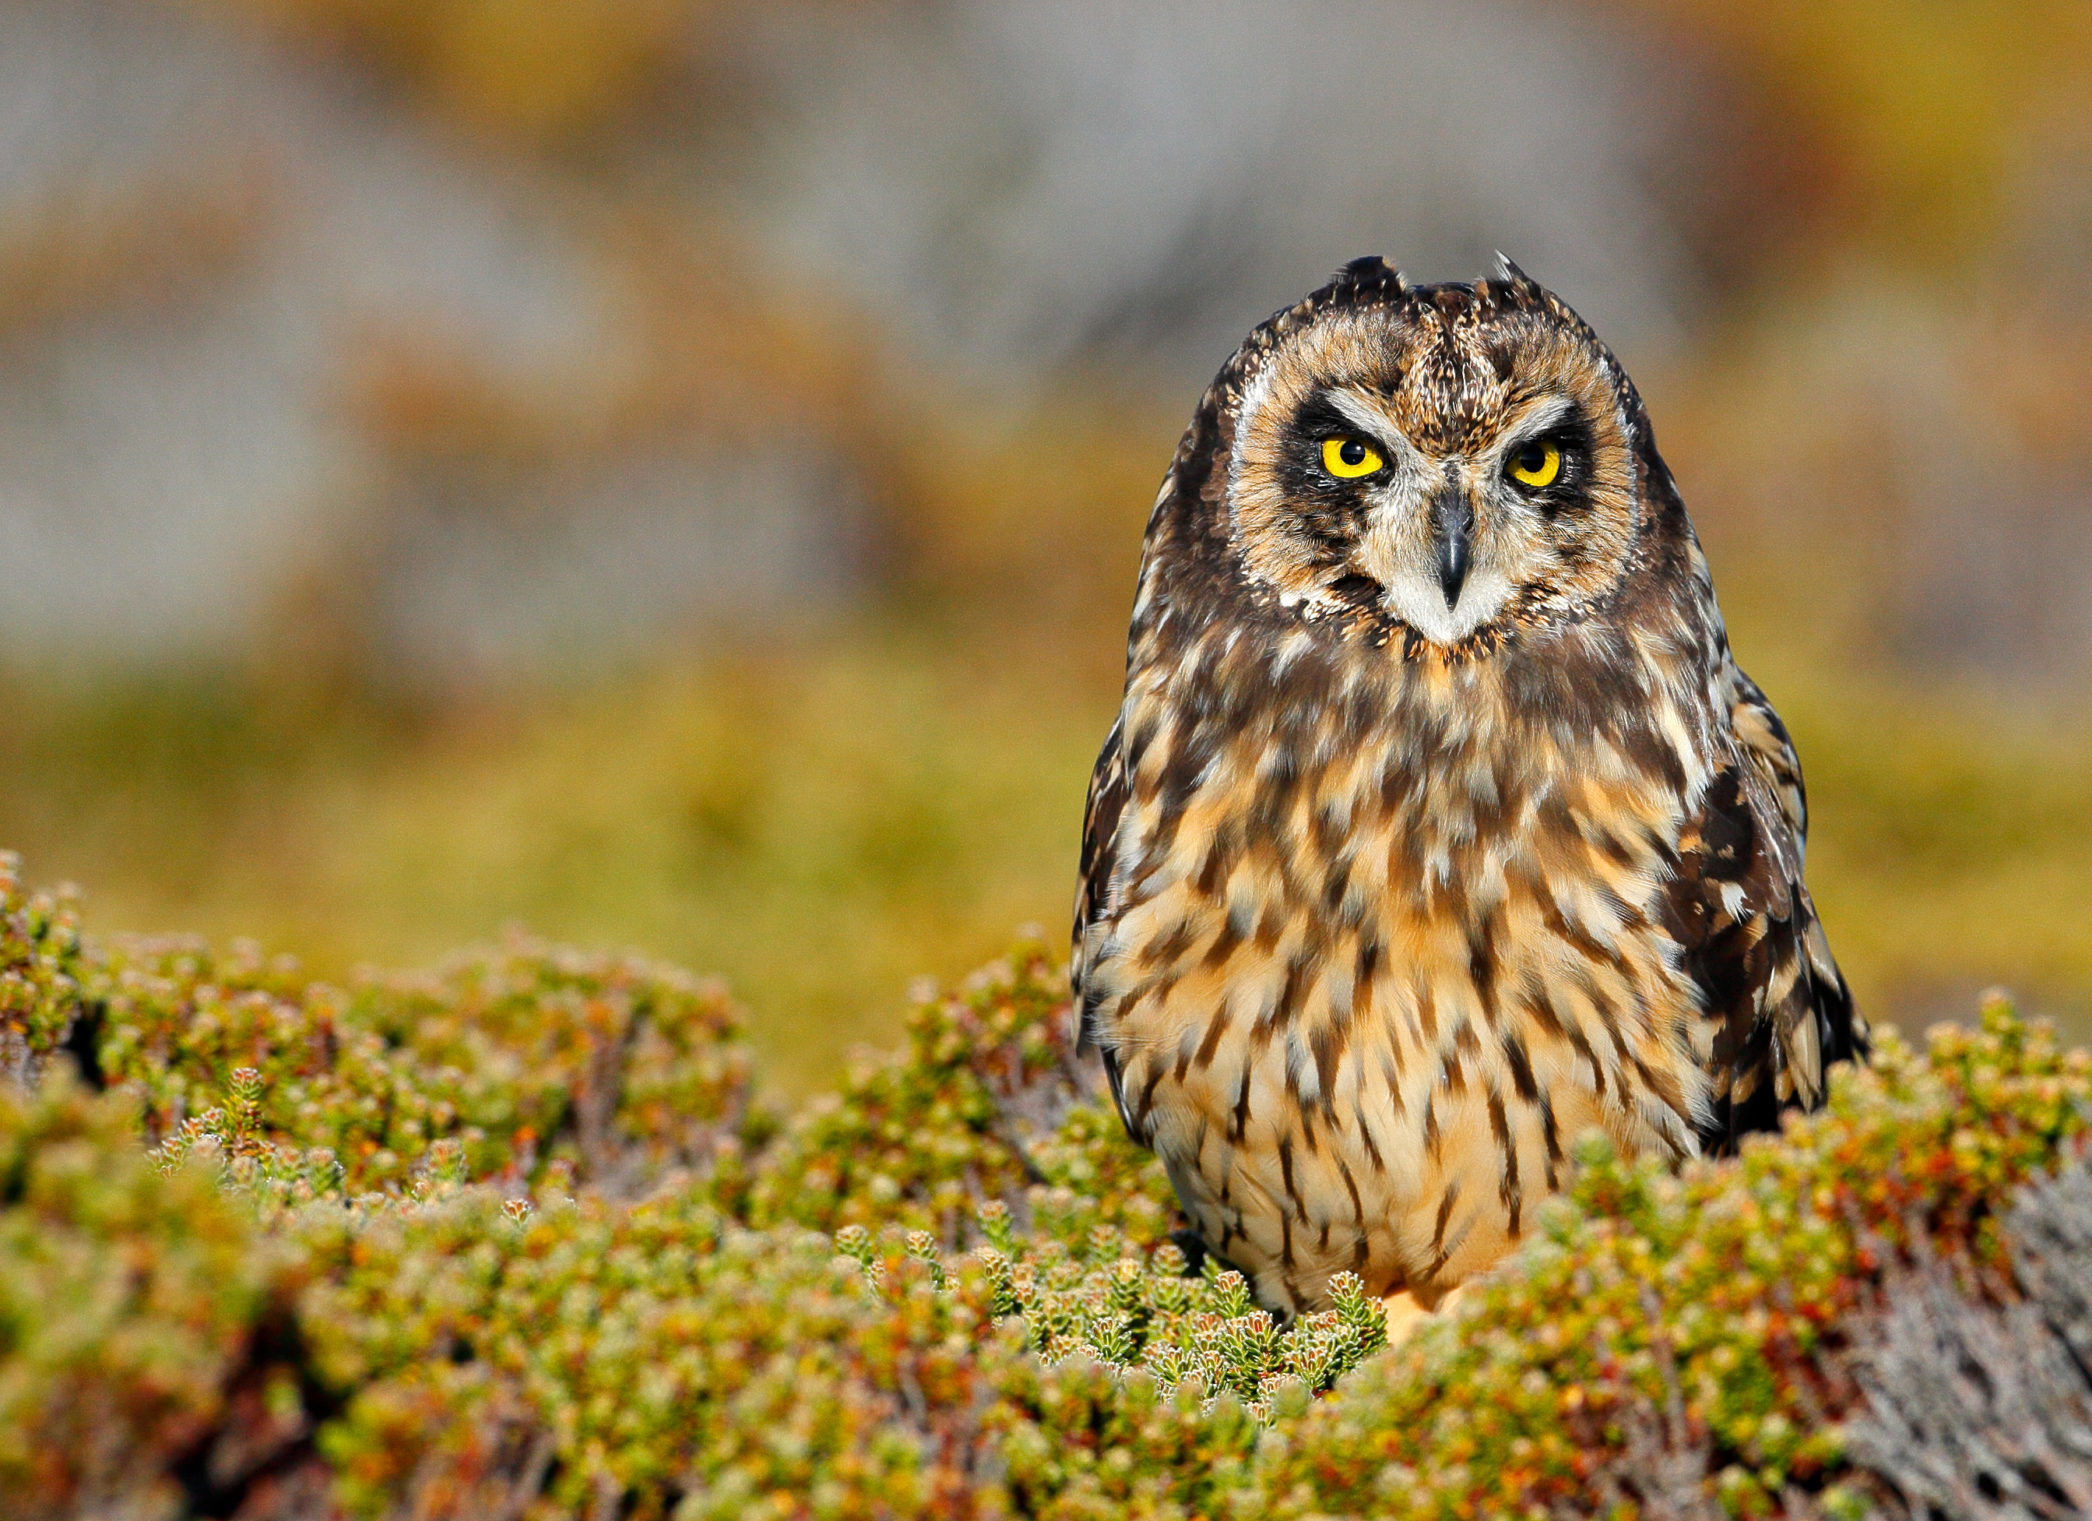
1439, 824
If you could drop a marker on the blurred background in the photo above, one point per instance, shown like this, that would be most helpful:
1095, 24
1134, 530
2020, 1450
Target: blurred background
670, 473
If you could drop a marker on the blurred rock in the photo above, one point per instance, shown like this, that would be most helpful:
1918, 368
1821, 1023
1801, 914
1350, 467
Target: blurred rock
566, 569
200, 240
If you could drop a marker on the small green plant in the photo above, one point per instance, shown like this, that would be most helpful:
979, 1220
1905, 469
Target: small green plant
40, 966
1130, 1312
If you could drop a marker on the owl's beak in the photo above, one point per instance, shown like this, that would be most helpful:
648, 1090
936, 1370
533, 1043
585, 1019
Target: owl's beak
1452, 529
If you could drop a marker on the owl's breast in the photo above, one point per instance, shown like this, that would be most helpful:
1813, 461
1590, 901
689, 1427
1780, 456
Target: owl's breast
1374, 962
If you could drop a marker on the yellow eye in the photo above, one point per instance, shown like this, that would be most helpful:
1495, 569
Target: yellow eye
1535, 465
1349, 458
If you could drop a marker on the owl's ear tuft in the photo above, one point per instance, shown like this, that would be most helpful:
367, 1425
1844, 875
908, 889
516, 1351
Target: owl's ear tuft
1367, 278
1522, 285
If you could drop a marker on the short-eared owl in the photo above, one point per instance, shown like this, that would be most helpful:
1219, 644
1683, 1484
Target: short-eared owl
1439, 824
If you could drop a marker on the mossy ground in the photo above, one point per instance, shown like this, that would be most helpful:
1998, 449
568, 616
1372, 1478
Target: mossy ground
517, 1238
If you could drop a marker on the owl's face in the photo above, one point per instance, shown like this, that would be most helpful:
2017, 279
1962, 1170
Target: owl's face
1454, 458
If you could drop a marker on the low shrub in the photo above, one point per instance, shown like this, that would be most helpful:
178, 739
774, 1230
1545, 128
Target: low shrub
608, 1069
515, 1239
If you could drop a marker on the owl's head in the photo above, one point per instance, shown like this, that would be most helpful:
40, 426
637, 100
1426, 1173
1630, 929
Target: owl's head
1456, 460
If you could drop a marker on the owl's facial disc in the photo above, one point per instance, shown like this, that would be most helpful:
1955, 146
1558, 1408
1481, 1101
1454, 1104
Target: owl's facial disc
1436, 478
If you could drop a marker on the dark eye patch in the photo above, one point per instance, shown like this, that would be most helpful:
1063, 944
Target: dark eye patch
1328, 511
1317, 421
1568, 491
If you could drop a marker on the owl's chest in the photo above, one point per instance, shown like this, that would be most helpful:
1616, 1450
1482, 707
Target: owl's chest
1362, 952
1289, 828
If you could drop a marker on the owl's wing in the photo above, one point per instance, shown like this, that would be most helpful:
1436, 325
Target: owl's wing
1100, 824
1777, 1008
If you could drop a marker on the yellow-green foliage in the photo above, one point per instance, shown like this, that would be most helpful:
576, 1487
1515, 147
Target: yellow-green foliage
987, 1099
608, 1067
39, 970
131, 1297
511, 1239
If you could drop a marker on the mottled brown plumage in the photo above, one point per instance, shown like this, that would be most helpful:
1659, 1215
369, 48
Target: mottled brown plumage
1439, 824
